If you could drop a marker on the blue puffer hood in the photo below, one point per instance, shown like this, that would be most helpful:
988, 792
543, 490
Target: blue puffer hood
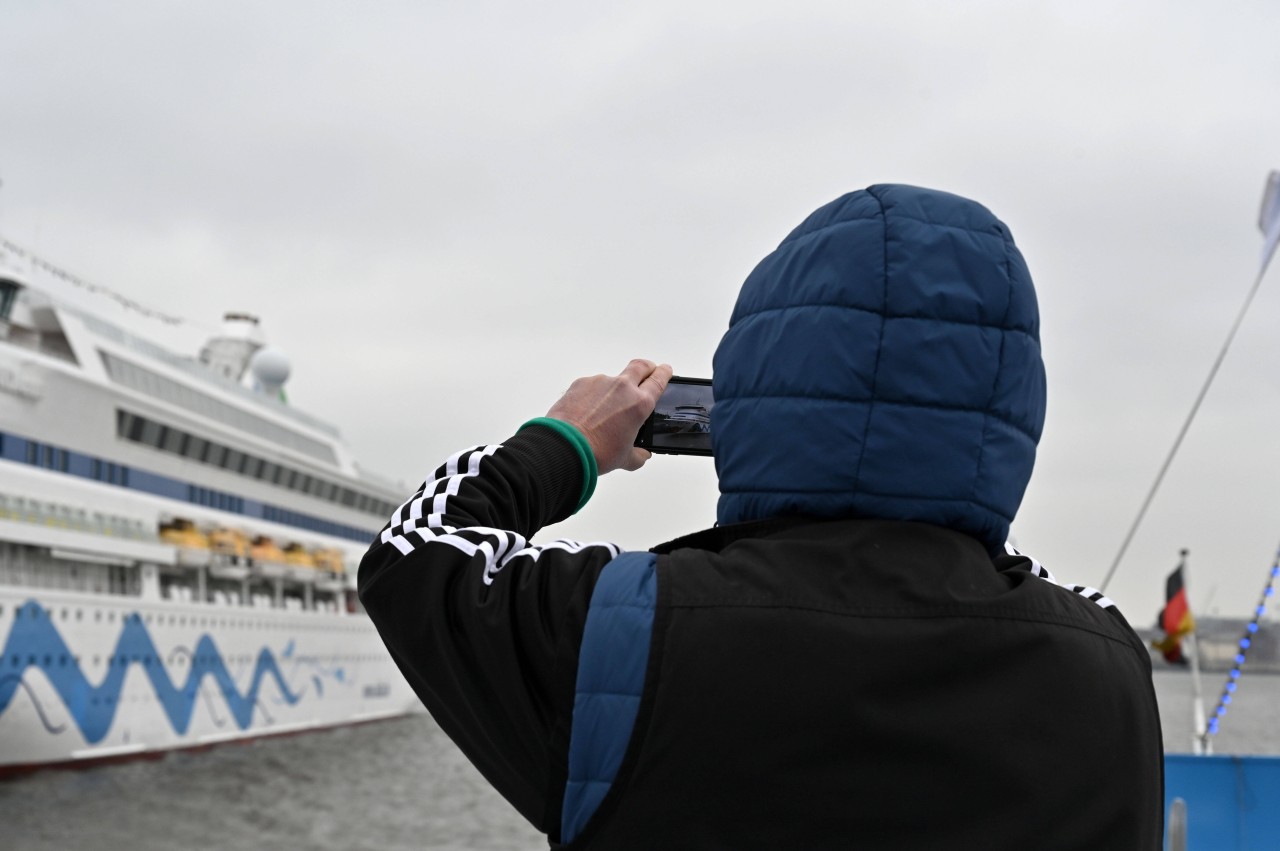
884, 362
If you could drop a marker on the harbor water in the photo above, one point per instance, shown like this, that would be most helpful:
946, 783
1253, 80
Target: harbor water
388, 786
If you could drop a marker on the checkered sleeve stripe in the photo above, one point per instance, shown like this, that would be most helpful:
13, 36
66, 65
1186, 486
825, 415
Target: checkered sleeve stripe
424, 511
420, 521
567, 546
1092, 594
1035, 568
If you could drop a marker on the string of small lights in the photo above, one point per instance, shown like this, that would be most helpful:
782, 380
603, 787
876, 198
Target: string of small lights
47, 267
1246, 641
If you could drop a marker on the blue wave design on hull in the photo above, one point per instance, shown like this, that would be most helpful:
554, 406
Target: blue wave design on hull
34, 642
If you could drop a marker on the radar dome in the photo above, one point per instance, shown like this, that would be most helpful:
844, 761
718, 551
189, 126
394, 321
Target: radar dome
270, 368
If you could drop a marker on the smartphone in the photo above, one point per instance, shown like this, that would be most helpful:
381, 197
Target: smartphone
681, 424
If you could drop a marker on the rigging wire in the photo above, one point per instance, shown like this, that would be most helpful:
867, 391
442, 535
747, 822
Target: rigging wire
1164, 468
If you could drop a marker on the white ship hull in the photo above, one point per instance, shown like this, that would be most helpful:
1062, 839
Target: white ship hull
177, 551
85, 677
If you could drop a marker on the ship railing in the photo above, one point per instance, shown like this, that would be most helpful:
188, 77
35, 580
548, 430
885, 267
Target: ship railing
60, 516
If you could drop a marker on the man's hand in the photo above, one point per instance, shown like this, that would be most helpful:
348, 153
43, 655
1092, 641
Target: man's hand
609, 411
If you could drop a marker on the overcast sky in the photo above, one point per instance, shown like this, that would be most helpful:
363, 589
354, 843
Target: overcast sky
444, 212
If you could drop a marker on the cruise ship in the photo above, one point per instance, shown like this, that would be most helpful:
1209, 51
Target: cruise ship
177, 544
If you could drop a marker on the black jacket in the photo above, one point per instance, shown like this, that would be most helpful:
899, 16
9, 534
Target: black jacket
802, 684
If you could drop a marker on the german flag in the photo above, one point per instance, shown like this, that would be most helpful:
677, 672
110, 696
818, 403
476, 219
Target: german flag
1175, 619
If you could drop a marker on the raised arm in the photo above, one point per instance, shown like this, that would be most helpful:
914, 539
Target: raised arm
485, 626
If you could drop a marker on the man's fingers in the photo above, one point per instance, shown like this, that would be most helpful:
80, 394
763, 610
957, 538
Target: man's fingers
650, 377
638, 370
660, 376
636, 459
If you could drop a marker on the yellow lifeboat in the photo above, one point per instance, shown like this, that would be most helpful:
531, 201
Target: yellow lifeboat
192, 544
329, 559
297, 556
264, 549
231, 543
181, 532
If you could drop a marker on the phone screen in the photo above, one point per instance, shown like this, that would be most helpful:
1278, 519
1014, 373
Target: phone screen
681, 423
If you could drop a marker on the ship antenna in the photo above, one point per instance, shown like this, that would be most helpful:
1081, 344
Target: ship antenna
1269, 222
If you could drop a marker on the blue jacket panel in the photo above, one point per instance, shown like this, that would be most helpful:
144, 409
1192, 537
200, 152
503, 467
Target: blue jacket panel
611, 679
883, 362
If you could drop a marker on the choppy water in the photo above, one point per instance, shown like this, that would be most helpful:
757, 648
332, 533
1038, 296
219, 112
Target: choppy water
385, 787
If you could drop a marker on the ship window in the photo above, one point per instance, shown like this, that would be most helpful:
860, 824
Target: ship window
8, 294
217, 455
253, 466
233, 459
195, 447
173, 440
150, 433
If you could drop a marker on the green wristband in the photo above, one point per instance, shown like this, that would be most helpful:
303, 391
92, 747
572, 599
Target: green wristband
590, 472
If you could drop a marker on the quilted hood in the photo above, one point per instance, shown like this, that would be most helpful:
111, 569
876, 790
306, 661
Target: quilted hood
883, 362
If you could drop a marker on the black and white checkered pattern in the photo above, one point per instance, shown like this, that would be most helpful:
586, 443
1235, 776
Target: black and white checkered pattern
1037, 569
420, 520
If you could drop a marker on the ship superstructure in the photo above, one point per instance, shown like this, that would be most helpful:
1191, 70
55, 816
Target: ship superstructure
177, 544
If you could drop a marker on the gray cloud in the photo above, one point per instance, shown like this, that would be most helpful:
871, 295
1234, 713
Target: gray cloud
445, 212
